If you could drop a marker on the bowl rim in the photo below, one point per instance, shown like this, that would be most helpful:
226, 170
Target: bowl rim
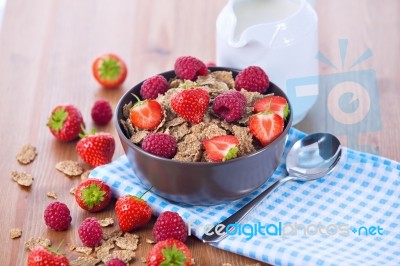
166, 160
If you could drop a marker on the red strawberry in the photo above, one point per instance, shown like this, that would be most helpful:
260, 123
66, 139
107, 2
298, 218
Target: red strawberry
146, 114
97, 149
191, 104
65, 122
275, 104
266, 127
169, 252
41, 256
93, 195
132, 212
109, 70
221, 148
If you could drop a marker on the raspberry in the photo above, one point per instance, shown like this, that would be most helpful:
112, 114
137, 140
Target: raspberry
160, 144
101, 112
169, 225
57, 216
90, 232
229, 106
189, 67
252, 78
115, 262
153, 86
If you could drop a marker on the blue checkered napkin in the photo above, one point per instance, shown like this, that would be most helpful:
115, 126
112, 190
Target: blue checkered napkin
351, 217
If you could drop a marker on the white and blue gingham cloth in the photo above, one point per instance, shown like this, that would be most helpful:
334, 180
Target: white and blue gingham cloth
351, 217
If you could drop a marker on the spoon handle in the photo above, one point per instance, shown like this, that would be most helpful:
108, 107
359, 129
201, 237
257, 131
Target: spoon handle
216, 233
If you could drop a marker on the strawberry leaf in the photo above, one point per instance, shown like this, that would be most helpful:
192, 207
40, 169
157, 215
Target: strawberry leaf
232, 154
173, 256
110, 69
56, 121
92, 195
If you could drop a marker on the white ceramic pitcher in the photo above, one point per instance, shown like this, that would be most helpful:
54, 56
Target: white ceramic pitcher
278, 35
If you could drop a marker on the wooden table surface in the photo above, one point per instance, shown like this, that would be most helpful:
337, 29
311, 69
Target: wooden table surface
46, 51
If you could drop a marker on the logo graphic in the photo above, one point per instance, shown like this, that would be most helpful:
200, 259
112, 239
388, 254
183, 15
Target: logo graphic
351, 103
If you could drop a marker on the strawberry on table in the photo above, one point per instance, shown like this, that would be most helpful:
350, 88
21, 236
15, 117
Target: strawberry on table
266, 126
146, 114
93, 195
109, 70
96, 149
132, 212
221, 148
65, 122
272, 103
41, 256
191, 104
169, 252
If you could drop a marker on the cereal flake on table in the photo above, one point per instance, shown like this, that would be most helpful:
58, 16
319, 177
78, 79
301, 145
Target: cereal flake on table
84, 250
85, 175
85, 261
106, 222
72, 190
150, 241
52, 195
22, 178
33, 243
69, 168
15, 233
127, 242
27, 154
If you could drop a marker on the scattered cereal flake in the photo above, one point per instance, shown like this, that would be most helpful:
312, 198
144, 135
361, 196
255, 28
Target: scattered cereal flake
224, 76
70, 168
226, 264
143, 259
112, 235
150, 241
71, 247
126, 109
22, 178
52, 195
15, 233
212, 131
84, 250
85, 175
255, 264
72, 190
127, 242
85, 261
103, 251
179, 132
35, 242
27, 154
106, 222
192, 262
251, 97
124, 255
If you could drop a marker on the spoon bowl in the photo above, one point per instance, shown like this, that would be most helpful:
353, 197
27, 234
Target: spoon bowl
310, 158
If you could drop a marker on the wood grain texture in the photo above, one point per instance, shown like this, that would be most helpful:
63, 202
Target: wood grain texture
46, 50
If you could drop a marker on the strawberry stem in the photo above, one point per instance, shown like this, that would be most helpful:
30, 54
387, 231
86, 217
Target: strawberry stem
85, 132
173, 256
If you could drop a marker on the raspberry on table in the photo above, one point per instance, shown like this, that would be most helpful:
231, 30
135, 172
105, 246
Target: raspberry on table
160, 144
115, 262
252, 78
90, 232
153, 86
229, 106
101, 112
169, 225
57, 216
189, 68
